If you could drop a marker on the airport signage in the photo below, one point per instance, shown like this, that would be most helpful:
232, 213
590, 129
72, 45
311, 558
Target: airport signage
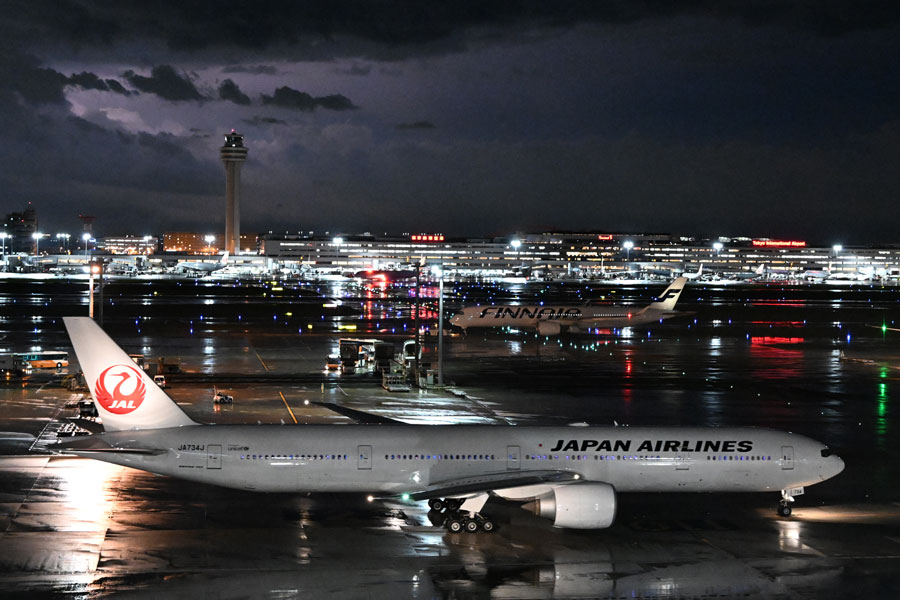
427, 237
779, 244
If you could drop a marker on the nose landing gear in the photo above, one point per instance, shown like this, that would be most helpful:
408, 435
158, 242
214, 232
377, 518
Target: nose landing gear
787, 498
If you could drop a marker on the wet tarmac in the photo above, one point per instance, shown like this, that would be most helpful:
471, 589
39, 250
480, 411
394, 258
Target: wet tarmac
806, 359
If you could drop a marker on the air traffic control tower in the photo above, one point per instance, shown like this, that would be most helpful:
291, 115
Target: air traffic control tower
233, 154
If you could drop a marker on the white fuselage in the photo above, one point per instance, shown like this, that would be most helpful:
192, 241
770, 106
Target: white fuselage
568, 317
395, 459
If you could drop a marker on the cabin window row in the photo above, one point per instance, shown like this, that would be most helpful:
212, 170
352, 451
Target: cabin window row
440, 457
635, 457
294, 457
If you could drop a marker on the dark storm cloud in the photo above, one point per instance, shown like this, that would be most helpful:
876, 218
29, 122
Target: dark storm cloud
251, 69
257, 120
165, 83
287, 97
230, 91
355, 70
115, 86
25, 78
90, 81
416, 125
266, 23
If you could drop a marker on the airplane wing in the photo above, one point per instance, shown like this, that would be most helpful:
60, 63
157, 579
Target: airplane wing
360, 416
490, 482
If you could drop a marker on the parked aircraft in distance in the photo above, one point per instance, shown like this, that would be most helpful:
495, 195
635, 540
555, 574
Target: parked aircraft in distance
553, 320
567, 474
201, 266
692, 275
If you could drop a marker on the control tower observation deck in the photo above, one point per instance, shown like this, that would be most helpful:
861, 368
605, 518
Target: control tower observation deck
233, 155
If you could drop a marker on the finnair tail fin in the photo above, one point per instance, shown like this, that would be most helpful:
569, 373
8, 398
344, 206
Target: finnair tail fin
669, 297
125, 396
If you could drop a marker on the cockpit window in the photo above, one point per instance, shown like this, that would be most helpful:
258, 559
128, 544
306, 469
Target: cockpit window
826, 452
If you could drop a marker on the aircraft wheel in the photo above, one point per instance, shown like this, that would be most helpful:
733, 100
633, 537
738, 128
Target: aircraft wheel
472, 526
784, 510
453, 503
487, 526
436, 504
454, 525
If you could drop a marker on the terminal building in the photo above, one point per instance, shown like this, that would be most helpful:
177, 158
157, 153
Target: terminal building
590, 255
541, 255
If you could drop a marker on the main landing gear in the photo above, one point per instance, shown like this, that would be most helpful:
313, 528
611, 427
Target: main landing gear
462, 515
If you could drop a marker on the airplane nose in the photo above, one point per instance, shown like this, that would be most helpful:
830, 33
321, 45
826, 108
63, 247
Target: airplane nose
832, 467
838, 465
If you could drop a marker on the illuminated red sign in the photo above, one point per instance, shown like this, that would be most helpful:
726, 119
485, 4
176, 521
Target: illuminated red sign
606, 237
779, 243
427, 237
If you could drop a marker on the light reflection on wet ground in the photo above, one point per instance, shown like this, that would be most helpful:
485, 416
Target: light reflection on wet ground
78, 528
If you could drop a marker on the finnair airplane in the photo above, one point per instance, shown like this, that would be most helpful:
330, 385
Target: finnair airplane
553, 320
202, 266
568, 474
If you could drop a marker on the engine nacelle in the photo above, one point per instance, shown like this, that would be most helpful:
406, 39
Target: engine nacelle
585, 505
548, 328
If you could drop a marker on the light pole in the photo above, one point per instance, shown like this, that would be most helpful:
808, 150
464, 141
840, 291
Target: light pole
837, 250
717, 246
439, 271
628, 245
209, 240
85, 237
3, 236
37, 242
94, 269
64, 236
516, 244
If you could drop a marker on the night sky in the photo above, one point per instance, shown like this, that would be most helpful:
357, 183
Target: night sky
756, 118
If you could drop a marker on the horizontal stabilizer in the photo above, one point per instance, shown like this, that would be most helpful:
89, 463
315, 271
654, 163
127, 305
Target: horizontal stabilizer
144, 451
87, 425
93, 443
358, 415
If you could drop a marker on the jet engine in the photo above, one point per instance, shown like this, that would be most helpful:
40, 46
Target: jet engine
585, 505
548, 328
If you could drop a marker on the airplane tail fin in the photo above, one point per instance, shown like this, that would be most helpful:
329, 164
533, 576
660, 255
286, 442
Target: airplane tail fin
225, 258
667, 300
125, 396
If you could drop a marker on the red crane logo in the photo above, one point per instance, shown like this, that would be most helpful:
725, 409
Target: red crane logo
128, 389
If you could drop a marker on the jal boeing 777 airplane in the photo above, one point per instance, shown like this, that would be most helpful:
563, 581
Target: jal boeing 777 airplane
553, 320
568, 474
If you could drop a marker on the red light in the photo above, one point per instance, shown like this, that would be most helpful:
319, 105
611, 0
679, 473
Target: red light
605, 237
427, 238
